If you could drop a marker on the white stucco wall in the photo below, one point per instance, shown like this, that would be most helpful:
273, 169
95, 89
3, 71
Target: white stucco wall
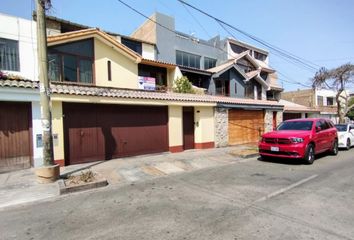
148, 51
23, 31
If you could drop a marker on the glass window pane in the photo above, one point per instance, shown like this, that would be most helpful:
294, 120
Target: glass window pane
54, 67
70, 68
85, 68
9, 55
179, 58
197, 61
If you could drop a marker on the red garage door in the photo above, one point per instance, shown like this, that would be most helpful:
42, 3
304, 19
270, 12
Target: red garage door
98, 132
15, 136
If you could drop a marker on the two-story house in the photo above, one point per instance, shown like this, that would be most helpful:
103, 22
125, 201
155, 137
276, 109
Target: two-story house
225, 67
110, 101
322, 100
20, 120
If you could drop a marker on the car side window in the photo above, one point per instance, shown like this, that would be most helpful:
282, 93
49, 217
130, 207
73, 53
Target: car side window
318, 125
323, 125
330, 124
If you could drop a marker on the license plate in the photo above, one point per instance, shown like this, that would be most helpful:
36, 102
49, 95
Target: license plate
274, 149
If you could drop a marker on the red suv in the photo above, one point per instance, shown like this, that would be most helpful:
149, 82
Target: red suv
300, 139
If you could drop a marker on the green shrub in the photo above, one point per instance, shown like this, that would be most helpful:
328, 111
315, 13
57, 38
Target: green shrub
183, 85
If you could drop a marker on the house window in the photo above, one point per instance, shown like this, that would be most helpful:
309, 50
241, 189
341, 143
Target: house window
109, 70
187, 59
319, 100
260, 56
209, 63
9, 55
222, 87
133, 45
237, 48
72, 62
330, 101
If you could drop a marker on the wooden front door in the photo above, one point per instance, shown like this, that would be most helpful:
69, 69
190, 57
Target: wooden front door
245, 126
15, 136
188, 128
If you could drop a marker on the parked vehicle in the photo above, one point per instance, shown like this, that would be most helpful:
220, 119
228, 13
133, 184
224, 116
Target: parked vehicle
345, 135
300, 139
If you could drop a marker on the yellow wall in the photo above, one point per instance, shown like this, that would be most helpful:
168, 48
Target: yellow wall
204, 130
57, 123
172, 75
124, 70
175, 128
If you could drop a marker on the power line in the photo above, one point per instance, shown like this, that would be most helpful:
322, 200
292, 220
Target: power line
196, 20
175, 32
282, 52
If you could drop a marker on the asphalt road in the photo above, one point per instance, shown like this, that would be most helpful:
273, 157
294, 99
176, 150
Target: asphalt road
244, 200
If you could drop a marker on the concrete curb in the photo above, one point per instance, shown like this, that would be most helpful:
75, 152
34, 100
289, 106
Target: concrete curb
63, 189
246, 155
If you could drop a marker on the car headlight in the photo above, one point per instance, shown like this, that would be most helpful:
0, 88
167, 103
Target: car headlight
297, 140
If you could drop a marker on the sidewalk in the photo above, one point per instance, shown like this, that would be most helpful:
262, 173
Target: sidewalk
21, 187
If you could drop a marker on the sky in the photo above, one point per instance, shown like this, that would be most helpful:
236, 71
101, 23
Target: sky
319, 31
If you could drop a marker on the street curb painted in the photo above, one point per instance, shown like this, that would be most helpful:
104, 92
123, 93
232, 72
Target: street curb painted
63, 189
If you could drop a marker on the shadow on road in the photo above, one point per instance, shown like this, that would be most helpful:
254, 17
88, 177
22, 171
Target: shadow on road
290, 161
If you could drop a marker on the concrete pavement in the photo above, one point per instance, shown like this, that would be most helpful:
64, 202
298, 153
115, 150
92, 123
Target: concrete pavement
20, 187
241, 200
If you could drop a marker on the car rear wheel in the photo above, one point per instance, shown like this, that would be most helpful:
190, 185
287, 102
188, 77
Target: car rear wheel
334, 150
310, 154
348, 144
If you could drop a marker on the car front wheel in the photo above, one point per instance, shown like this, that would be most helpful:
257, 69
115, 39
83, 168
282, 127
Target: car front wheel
334, 150
348, 144
309, 154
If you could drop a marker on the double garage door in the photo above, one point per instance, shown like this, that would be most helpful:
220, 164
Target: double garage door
15, 136
245, 126
95, 132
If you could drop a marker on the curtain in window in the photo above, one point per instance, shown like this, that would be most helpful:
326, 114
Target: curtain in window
85, 68
54, 67
9, 56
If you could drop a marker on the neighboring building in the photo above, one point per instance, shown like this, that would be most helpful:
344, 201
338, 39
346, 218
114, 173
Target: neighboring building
227, 68
293, 110
223, 67
20, 134
323, 100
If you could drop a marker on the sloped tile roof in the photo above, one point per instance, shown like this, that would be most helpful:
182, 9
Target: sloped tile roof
294, 107
221, 67
81, 90
71, 36
141, 94
19, 83
253, 73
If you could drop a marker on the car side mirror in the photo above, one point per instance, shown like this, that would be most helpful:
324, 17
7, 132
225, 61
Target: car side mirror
318, 129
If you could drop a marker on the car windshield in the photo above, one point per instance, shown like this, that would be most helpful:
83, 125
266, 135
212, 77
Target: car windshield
296, 125
341, 128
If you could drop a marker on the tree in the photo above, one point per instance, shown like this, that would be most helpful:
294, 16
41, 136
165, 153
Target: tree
183, 85
350, 113
338, 79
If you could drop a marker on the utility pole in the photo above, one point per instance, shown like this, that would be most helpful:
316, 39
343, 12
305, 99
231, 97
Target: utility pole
49, 172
